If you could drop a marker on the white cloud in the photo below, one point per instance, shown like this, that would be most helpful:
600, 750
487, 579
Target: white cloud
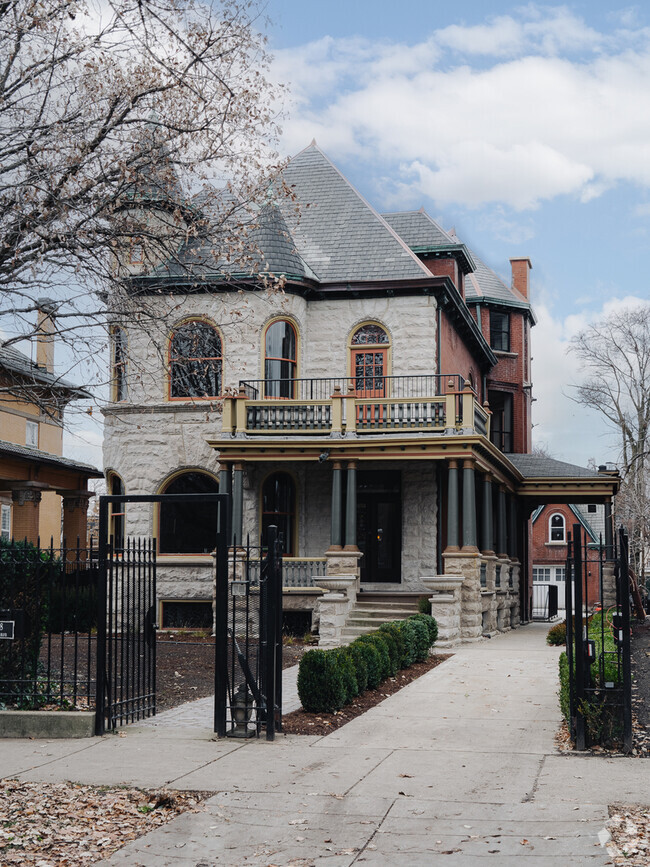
538, 106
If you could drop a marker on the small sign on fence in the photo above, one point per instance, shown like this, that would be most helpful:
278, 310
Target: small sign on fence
7, 629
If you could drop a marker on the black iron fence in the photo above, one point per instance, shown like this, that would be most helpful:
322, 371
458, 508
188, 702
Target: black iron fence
48, 625
595, 674
417, 386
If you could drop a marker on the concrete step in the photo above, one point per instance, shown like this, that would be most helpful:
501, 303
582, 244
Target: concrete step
382, 613
349, 633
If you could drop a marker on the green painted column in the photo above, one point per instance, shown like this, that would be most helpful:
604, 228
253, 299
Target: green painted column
502, 532
225, 487
469, 506
336, 535
487, 524
238, 504
351, 508
452, 507
512, 526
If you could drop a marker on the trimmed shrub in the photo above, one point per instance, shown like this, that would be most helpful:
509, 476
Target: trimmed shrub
557, 634
320, 685
407, 628
424, 605
372, 659
360, 668
384, 656
348, 674
393, 629
431, 625
393, 650
421, 649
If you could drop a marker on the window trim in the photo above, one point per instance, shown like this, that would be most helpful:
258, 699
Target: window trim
205, 321
507, 332
551, 540
111, 478
33, 426
5, 532
115, 377
386, 348
296, 362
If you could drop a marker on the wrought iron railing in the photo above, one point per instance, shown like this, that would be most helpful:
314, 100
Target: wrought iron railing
416, 386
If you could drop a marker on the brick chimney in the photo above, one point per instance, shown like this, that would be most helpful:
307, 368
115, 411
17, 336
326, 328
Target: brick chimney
521, 268
45, 333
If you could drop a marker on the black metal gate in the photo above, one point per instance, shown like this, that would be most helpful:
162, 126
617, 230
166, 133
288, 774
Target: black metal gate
598, 646
248, 676
126, 614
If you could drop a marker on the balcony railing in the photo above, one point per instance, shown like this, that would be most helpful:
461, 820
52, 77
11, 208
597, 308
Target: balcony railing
296, 571
355, 406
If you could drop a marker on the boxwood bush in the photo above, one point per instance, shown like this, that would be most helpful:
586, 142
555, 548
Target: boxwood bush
329, 679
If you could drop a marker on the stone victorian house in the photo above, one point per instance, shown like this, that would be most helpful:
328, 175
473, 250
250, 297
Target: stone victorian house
42, 494
377, 410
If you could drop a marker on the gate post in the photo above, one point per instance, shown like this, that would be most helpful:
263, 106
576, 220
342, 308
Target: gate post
624, 595
100, 679
221, 619
578, 634
271, 615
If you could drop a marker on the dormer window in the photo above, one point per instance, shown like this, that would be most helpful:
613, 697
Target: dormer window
557, 529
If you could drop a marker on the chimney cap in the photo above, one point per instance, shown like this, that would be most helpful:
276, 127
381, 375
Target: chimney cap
47, 305
522, 259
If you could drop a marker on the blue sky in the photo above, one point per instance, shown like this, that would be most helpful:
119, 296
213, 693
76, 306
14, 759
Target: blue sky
525, 127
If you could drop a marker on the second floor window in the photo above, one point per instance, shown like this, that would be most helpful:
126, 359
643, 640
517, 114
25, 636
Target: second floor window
195, 361
557, 528
119, 364
280, 359
499, 331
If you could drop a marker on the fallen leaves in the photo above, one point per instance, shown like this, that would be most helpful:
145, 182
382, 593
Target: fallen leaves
629, 826
52, 824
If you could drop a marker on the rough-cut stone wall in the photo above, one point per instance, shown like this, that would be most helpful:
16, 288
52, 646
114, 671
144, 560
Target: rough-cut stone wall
419, 521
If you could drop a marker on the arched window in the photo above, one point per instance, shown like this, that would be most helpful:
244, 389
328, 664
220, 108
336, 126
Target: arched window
119, 364
117, 518
195, 361
279, 508
369, 363
188, 528
280, 359
557, 528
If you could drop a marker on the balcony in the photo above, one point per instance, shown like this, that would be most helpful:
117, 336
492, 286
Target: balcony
349, 406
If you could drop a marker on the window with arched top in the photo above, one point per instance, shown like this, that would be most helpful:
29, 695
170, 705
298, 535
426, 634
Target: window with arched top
188, 528
557, 528
279, 508
280, 359
195, 361
369, 360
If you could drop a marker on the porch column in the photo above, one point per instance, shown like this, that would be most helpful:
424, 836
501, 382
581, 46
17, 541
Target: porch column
225, 487
469, 507
336, 536
452, 507
75, 520
502, 532
609, 535
238, 504
487, 526
26, 513
351, 508
512, 527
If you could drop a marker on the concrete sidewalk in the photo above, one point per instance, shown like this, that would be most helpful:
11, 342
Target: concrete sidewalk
457, 767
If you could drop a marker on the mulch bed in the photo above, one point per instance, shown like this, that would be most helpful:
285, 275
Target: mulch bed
185, 666
302, 723
640, 646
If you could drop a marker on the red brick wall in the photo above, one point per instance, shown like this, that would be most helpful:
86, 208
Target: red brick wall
455, 357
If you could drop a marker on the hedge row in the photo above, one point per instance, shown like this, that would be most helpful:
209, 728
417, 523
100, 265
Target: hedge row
330, 679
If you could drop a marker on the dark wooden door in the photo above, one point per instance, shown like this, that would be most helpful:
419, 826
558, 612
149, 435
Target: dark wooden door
379, 526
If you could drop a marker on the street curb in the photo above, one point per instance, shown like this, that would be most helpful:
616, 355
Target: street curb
46, 724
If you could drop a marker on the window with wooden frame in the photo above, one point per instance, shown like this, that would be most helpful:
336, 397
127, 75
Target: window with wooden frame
500, 331
5, 521
195, 361
369, 360
557, 528
280, 359
188, 528
137, 252
118, 338
279, 509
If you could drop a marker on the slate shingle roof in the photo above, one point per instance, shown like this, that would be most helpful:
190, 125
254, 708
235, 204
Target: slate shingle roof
18, 364
338, 234
418, 229
8, 448
485, 283
539, 466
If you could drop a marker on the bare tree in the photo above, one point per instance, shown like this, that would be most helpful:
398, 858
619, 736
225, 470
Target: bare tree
615, 354
127, 127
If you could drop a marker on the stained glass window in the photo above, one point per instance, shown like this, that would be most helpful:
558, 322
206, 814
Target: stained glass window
369, 334
119, 364
189, 528
195, 356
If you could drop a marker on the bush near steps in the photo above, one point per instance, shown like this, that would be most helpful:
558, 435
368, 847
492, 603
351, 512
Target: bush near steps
330, 679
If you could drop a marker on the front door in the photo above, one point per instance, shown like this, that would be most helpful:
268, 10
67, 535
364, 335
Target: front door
379, 525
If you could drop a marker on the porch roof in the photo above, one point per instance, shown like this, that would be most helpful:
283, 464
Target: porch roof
21, 464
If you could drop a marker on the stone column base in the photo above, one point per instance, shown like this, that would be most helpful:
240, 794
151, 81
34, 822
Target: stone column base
446, 604
468, 565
